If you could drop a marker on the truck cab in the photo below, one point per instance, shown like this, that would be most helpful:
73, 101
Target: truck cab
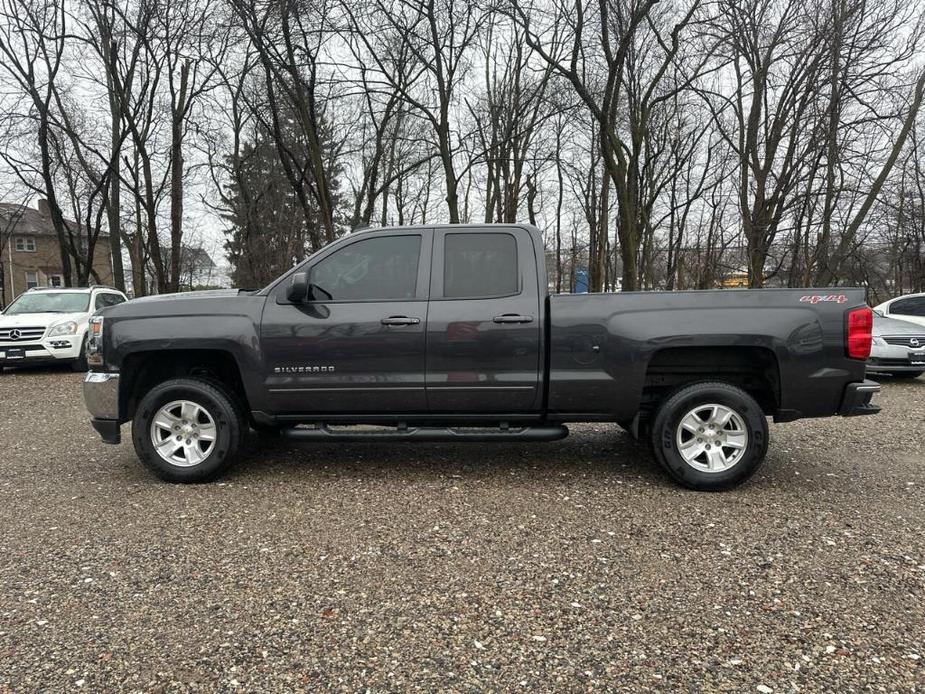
448, 321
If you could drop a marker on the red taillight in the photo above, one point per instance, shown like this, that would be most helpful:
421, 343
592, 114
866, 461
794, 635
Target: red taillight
860, 326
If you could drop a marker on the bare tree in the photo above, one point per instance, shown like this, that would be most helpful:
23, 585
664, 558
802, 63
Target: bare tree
288, 39
389, 147
869, 47
32, 45
589, 45
508, 116
440, 35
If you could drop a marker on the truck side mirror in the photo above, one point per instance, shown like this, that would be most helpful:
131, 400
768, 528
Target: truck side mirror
316, 293
298, 288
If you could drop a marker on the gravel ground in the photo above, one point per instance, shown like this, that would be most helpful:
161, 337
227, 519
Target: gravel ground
568, 566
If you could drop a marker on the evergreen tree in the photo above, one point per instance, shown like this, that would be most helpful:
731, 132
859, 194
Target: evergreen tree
269, 229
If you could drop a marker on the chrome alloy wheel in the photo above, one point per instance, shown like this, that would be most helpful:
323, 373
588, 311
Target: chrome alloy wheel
712, 438
183, 433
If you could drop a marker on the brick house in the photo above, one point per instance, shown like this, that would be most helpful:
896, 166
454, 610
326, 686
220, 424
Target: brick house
31, 257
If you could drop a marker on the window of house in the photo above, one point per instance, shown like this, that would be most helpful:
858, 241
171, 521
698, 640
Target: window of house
25, 244
479, 265
32, 280
55, 281
376, 269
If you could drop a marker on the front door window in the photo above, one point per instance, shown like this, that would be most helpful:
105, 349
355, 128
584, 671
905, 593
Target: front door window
376, 269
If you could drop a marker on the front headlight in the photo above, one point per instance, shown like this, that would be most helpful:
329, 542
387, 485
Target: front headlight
69, 328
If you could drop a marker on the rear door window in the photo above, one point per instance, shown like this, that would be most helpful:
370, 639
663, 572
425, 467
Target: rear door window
909, 307
104, 300
480, 266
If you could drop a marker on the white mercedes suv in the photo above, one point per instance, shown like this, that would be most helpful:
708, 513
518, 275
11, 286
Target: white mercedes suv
49, 325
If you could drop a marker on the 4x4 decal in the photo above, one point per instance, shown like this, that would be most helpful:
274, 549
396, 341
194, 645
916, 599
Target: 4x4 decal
823, 298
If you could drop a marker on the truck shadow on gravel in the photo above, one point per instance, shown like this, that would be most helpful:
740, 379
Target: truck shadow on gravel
600, 454
604, 458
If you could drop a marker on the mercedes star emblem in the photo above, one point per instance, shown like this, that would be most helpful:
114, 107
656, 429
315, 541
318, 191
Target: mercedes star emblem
15, 334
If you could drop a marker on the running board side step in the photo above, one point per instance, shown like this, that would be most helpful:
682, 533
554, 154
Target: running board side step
549, 432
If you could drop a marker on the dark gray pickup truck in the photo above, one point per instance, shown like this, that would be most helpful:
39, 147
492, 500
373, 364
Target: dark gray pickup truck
448, 333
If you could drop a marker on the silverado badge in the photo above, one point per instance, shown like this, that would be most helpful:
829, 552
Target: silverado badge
303, 369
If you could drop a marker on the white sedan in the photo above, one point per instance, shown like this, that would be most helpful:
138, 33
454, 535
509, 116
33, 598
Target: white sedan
898, 347
910, 307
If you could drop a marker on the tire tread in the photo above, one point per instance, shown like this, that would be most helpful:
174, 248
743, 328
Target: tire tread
741, 471
213, 390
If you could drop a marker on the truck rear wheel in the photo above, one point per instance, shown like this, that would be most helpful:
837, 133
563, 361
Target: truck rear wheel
188, 430
710, 436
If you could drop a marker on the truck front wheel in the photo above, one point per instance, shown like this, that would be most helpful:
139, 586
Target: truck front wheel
188, 430
710, 436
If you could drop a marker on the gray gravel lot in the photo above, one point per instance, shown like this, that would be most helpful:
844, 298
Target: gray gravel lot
567, 566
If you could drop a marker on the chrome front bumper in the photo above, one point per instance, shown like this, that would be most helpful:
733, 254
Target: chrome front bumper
101, 395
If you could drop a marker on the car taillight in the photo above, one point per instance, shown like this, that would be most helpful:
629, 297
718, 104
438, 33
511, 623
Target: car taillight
860, 323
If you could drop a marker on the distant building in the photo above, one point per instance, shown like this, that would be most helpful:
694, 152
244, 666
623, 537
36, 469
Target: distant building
734, 280
32, 257
197, 269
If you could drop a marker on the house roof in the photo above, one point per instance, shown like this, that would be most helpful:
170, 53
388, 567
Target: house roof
191, 257
197, 257
24, 220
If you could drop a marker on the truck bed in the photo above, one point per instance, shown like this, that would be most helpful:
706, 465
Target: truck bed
607, 350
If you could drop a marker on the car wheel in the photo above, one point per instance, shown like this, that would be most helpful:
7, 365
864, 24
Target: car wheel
79, 365
710, 436
908, 374
188, 430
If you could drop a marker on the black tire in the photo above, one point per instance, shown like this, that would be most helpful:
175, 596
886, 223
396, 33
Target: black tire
219, 403
667, 423
79, 365
908, 375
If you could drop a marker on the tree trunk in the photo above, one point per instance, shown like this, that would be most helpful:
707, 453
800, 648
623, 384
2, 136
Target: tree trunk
449, 173
114, 210
176, 204
57, 220
847, 241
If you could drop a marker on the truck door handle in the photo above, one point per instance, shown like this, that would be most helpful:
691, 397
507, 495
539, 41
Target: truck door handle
512, 318
400, 320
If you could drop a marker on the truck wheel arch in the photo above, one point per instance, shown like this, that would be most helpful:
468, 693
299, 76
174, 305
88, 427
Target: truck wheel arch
755, 370
143, 370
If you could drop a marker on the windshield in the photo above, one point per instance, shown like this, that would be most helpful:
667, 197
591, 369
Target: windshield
49, 302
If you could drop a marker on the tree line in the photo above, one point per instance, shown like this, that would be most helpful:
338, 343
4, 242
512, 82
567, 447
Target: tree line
658, 144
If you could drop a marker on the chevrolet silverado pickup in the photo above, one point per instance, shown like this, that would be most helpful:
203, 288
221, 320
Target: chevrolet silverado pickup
449, 333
